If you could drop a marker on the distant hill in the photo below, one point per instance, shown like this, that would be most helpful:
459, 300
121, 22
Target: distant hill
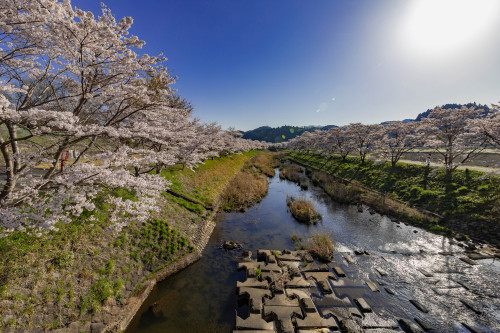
486, 109
280, 134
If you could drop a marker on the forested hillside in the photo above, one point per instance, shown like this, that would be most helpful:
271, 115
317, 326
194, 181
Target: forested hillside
282, 133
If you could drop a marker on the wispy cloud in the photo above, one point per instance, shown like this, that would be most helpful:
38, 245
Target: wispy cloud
318, 110
333, 98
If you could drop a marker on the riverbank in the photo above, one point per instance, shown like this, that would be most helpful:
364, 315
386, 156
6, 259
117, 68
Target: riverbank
85, 277
469, 205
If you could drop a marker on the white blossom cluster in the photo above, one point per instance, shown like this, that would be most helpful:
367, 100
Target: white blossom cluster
71, 81
454, 135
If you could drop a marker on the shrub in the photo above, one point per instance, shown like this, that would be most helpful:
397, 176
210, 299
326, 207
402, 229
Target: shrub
291, 172
304, 187
303, 210
320, 244
266, 163
244, 190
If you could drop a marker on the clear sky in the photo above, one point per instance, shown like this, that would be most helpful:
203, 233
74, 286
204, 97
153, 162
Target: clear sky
249, 63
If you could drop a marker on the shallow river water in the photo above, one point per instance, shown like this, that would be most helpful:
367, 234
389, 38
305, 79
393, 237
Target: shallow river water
202, 298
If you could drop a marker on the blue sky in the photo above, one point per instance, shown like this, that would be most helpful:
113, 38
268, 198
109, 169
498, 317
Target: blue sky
249, 63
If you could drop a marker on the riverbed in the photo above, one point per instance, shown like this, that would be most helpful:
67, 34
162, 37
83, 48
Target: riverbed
418, 265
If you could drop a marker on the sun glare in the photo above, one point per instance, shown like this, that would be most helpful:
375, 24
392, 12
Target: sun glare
435, 26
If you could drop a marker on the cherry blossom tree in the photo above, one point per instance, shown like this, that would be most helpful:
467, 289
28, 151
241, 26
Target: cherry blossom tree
364, 137
71, 81
490, 127
399, 138
451, 134
340, 141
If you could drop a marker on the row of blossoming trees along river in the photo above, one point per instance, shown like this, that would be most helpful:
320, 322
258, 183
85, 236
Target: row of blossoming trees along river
455, 135
71, 81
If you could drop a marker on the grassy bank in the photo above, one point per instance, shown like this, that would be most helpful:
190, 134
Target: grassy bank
75, 277
471, 198
209, 179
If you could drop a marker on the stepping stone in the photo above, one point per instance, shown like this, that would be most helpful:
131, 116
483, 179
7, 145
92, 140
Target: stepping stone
408, 326
283, 315
372, 320
264, 253
330, 301
363, 306
297, 293
339, 271
419, 305
349, 259
314, 320
248, 265
270, 276
342, 313
385, 258
469, 261
425, 325
271, 259
322, 279
359, 252
252, 283
372, 286
271, 268
255, 296
470, 306
389, 291
281, 300
304, 255
381, 282
446, 253
308, 305
254, 322
381, 271
314, 267
299, 282
288, 257
425, 273
251, 273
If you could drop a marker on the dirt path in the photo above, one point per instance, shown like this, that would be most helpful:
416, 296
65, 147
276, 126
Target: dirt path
471, 167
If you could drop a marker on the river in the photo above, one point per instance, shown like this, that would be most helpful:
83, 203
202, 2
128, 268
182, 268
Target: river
202, 298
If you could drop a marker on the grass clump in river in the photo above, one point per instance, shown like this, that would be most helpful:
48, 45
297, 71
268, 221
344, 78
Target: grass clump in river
320, 244
303, 210
291, 172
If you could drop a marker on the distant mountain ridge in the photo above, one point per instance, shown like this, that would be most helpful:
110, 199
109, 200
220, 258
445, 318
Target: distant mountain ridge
282, 133
485, 108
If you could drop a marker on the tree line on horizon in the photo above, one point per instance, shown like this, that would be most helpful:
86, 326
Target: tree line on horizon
456, 135
286, 132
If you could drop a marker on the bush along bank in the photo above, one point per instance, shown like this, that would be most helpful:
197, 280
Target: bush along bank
87, 278
468, 204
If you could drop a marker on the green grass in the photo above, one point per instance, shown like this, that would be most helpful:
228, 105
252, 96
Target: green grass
208, 180
470, 194
193, 207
